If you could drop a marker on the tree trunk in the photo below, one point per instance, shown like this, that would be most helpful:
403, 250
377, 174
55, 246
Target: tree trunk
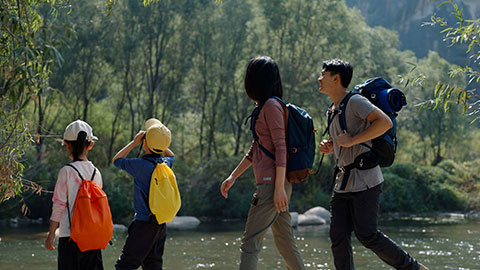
39, 126
126, 87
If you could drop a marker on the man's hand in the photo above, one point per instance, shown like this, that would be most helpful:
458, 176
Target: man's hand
280, 199
326, 147
345, 140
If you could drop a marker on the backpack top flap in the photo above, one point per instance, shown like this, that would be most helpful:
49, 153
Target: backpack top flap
91, 226
164, 198
382, 94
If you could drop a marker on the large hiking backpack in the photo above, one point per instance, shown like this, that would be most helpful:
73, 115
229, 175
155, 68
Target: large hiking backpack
300, 136
91, 226
164, 198
390, 100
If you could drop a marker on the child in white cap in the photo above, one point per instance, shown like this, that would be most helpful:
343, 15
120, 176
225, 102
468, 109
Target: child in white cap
79, 140
146, 238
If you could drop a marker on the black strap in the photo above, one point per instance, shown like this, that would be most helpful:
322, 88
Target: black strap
83, 179
342, 107
346, 174
253, 119
331, 115
79, 174
336, 170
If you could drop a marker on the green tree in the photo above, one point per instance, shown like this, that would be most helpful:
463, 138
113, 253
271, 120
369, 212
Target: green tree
462, 31
438, 130
26, 57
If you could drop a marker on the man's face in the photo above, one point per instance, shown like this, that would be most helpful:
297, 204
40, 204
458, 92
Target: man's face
326, 81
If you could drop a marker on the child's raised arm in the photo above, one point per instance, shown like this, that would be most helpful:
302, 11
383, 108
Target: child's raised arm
168, 153
125, 150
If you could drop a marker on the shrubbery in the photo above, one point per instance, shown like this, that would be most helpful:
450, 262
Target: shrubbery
408, 188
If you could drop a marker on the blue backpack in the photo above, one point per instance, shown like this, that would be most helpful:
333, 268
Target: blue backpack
390, 100
300, 136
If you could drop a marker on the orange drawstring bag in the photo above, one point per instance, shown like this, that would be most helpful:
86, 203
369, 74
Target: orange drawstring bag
91, 226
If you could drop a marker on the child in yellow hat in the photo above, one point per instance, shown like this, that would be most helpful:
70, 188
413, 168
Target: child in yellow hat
146, 238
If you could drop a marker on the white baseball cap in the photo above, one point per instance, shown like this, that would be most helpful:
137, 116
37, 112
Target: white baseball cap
72, 130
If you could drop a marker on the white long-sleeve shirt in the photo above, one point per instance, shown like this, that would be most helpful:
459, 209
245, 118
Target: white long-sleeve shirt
68, 183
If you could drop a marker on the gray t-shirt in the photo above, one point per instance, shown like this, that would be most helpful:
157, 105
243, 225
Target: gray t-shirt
358, 108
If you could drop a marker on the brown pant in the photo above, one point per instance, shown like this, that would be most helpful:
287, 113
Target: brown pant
261, 216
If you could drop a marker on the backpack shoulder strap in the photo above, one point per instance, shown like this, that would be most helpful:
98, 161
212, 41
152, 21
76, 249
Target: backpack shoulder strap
154, 162
79, 174
68, 206
285, 108
93, 174
253, 119
330, 115
342, 107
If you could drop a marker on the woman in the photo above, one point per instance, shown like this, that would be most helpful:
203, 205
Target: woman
270, 202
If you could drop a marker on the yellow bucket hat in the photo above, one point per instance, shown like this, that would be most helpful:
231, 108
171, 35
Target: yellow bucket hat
158, 136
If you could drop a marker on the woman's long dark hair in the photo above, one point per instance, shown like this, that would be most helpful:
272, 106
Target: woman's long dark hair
262, 79
79, 146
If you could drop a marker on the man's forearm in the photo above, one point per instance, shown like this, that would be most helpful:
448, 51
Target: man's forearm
377, 128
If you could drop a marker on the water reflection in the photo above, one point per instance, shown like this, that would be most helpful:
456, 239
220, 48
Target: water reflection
216, 246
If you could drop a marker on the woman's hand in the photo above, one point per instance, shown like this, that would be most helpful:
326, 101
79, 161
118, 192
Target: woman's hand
226, 185
280, 199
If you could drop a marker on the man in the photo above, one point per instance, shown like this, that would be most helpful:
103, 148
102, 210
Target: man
355, 200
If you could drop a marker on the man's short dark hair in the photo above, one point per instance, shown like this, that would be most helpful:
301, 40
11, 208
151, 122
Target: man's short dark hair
338, 66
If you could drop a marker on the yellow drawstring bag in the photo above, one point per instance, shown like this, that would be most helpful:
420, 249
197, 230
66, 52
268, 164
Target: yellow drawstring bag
164, 198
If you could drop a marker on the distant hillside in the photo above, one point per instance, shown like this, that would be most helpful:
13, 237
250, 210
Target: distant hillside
407, 16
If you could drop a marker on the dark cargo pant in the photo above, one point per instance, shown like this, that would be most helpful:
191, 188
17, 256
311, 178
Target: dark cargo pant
358, 212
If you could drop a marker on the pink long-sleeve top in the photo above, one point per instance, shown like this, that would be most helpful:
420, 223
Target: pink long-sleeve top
270, 128
66, 188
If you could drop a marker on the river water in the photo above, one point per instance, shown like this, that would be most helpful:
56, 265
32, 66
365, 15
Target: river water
439, 245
